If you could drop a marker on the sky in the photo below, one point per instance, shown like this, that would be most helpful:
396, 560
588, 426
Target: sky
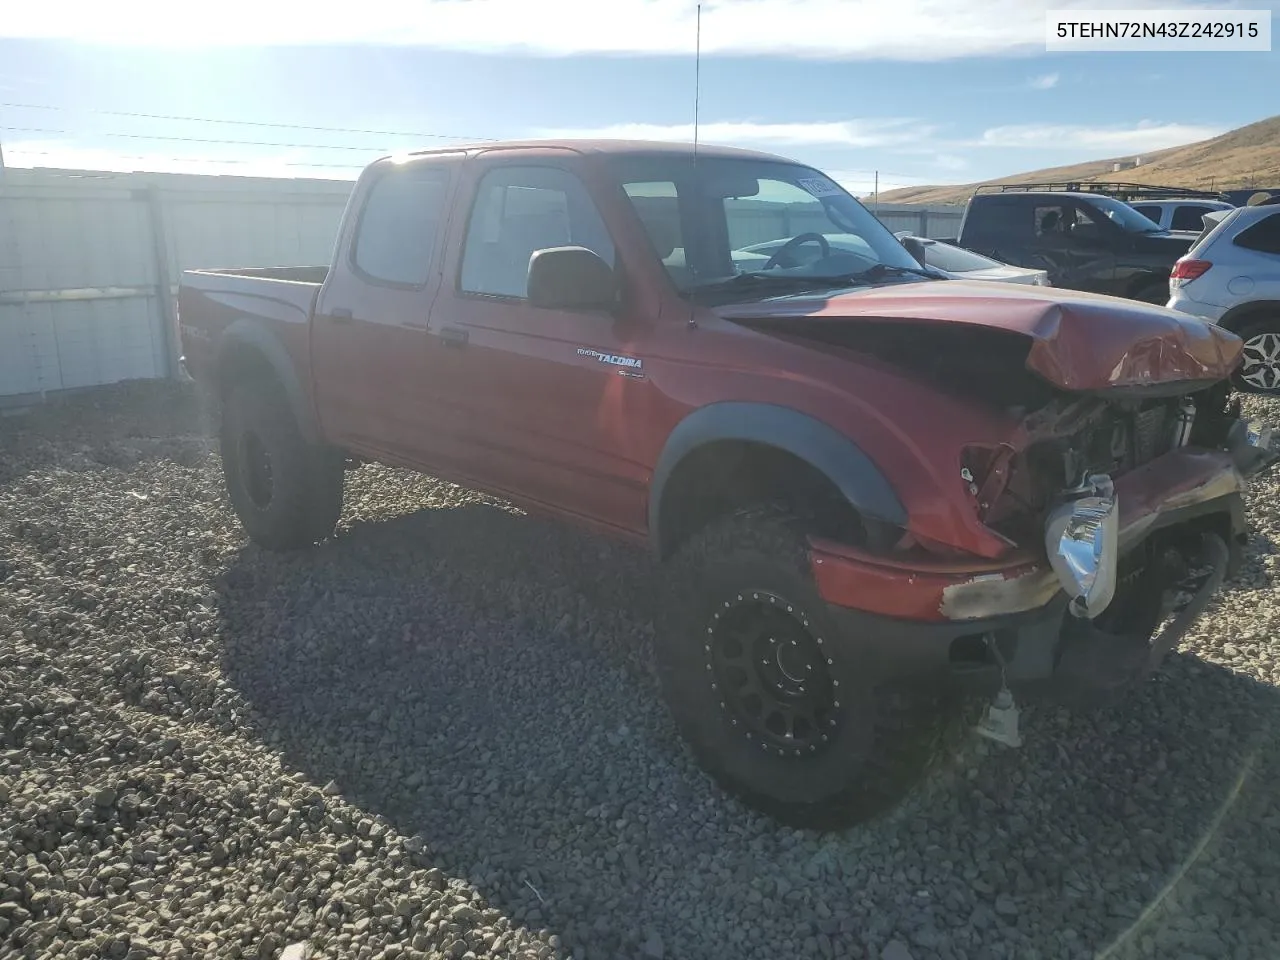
894, 92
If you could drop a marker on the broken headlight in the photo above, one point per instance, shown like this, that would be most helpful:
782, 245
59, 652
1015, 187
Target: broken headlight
1082, 540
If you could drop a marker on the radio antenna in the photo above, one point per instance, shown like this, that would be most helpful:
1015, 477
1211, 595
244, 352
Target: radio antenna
697, 92
697, 76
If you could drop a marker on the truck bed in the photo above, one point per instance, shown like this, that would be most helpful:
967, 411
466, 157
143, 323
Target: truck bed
314, 275
209, 301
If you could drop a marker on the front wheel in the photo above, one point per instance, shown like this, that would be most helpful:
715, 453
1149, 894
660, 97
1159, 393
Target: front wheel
773, 700
1259, 370
286, 491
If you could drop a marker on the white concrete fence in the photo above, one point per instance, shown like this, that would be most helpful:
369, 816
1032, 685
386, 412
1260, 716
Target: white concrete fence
89, 262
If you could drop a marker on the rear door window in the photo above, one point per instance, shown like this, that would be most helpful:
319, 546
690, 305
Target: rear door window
998, 218
1051, 220
1263, 236
396, 239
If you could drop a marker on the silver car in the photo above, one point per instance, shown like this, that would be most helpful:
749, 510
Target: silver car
1231, 277
961, 264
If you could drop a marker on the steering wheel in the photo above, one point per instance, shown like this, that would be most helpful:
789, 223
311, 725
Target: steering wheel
795, 242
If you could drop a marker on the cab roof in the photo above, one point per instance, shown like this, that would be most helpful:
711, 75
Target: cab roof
611, 147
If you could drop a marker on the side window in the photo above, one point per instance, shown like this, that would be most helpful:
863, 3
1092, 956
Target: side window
1188, 217
998, 218
1051, 220
657, 204
517, 211
1263, 236
396, 237
1082, 214
1150, 211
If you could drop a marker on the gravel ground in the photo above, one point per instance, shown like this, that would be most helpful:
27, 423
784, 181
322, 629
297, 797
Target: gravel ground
437, 735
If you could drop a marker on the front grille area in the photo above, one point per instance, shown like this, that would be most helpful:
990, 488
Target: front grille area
1126, 439
1152, 433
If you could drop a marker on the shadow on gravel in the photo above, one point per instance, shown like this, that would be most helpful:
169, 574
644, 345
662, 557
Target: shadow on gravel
480, 679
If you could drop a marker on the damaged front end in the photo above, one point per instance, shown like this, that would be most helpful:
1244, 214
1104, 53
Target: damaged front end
1074, 510
1144, 530
1124, 515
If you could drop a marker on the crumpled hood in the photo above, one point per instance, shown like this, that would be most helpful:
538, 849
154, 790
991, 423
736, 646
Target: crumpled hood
1079, 341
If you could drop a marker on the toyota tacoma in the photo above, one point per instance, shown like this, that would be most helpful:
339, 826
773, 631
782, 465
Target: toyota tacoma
874, 489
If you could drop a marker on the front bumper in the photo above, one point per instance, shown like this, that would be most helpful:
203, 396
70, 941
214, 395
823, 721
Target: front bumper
940, 622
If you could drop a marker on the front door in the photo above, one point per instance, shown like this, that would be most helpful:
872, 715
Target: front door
539, 398
1075, 246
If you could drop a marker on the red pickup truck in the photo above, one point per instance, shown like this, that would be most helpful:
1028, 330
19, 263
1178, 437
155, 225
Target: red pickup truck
875, 489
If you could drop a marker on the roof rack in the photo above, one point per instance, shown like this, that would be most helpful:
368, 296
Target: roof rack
1118, 191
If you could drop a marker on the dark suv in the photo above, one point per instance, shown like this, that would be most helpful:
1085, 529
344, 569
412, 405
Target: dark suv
1085, 240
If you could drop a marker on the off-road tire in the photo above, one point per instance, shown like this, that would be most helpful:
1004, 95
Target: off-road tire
304, 499
1254, 328
886, 735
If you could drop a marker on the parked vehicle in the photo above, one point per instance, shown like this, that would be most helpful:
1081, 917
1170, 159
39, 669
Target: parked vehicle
1179, 214
1084, 241
1243, 196
1231, 277
754, 256
961, 264
872, 490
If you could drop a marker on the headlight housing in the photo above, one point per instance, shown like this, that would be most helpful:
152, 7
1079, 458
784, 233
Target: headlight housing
1082, 541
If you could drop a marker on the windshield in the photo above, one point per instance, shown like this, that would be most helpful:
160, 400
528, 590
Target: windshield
1123, 215
727, 219
956, 260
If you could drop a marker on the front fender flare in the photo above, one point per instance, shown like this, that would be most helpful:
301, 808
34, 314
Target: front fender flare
854, 474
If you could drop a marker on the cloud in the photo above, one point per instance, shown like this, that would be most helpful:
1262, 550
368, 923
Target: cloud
68, 155
839, 133
1146, 135
949, 161
914, 30
1046, 81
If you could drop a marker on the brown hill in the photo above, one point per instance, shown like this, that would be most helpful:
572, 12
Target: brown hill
1245, 157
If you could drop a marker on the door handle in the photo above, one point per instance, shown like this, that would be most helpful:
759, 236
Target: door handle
341, 315
453, 337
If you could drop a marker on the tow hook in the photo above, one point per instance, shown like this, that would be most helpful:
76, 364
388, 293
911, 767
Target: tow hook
1000, 719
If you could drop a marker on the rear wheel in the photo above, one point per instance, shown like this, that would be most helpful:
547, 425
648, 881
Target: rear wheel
1259, 370
773, 701
286, 492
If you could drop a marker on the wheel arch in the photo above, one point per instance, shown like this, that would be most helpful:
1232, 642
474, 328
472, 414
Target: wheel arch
248, 349
721, 454
1238, 317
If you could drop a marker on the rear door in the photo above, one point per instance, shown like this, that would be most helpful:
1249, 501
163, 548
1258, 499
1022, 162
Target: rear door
537, 401
369, 341
1256, 261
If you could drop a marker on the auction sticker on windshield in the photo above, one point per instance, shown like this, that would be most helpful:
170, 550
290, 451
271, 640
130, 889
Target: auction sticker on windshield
819, 187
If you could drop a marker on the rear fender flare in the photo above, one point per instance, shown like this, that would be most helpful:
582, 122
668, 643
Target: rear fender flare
841, 460
249, 336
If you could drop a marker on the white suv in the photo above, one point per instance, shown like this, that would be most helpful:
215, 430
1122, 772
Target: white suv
1178, 214
1231, 276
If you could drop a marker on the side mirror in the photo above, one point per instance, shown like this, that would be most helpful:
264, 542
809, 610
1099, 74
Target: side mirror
915, 248
571, 278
